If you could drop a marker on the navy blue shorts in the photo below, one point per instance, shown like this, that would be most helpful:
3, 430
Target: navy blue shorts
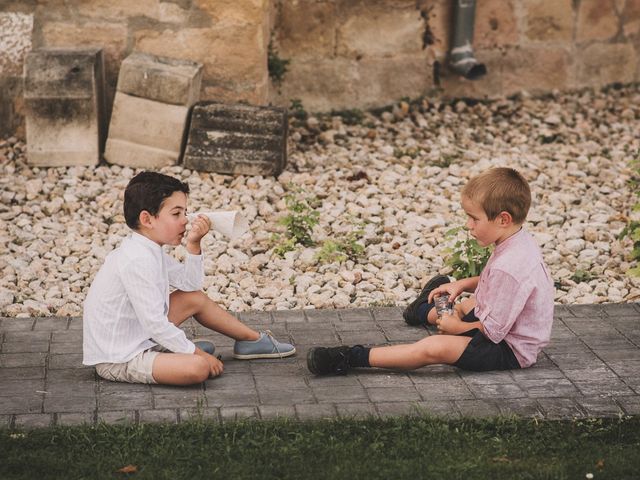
482, 354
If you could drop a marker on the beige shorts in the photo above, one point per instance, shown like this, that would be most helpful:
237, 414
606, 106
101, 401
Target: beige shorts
137, 370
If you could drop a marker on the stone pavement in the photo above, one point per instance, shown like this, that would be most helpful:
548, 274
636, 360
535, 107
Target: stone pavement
591, 368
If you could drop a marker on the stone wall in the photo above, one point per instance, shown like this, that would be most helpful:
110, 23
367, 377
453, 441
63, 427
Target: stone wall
341, 53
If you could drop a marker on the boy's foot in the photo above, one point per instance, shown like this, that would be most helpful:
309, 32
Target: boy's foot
265, 347
410, 313
206, 347
328, 360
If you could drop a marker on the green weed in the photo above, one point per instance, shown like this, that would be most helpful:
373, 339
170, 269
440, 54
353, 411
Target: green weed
632, 229
467, 258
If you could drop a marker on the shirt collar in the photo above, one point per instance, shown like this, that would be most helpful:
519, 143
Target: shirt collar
512, 238
139, 238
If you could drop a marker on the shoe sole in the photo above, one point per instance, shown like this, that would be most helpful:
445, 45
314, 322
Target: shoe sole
311, 365
253, 356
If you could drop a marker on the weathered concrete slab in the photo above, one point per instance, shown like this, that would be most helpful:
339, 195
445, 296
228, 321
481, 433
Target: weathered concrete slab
64, 105
151, 110
237, 139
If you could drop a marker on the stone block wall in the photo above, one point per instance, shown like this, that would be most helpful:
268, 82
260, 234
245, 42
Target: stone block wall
341, 53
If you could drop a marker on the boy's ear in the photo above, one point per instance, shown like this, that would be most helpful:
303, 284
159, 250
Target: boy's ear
505, 219
145, 219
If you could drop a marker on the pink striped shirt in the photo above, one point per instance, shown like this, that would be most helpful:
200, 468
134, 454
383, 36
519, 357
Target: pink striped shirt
514, 297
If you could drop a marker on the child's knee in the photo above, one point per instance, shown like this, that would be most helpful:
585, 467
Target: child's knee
198, 371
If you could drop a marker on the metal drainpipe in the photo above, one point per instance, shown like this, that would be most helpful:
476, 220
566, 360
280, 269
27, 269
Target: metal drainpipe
461, 58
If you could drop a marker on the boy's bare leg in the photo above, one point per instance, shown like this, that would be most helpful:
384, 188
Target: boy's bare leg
180, 369
428, 351
183, 305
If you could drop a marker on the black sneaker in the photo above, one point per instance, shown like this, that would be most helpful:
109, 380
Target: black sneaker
327, 360
410, 313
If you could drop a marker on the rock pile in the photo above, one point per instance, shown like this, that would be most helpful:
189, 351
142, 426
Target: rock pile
394, 178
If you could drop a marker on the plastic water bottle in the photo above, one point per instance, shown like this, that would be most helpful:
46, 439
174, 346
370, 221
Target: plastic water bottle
443, 305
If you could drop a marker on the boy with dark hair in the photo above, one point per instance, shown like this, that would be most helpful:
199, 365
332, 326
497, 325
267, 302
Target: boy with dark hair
506, 323
130, 322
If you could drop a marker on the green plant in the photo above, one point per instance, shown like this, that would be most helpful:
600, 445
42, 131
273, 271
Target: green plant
299, 222
343, 249
297, 110
632, 229
350, 117
276, 66
467, 258
580, 276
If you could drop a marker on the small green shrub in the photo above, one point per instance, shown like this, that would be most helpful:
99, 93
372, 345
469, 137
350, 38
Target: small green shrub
276, 66
342, 249
580, 276
632, 230
299, 222
297, 110
467, 258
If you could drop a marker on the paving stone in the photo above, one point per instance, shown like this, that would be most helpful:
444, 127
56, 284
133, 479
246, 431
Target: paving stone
439, 408
620, 309
55, 403
72, 376
6, 421
556, 408
65, 348
75, 323
404, 335
27, 336
18, 388
276, 411
289, 316
312, 411
356, 326
230, 414
394, 409
230, 381
600, 407
341, 394
25, 347
548, 388
388, 314
22, 373
486, 378
203, 414
444, 390
33, 420
322, 316
521, 407
280, 396
16, 324
117, 417
589, 311
325, 337
188, 400
12, 360
127, 400
356, 410
497, 390
66, 336
375, 378
393, 394
23, 404
362, 338
67, 360
51, 323
162, 415
355, 315
231, 398
285, 367
477, 408
608, 387
631, 405
72, 419
562, 311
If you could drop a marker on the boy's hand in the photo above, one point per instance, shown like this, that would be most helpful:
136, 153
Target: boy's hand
452, 290
450, 324
199, 228
216, 367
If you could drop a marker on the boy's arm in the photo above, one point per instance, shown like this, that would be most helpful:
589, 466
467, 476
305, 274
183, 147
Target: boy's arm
189, 277
453, 325
453, 289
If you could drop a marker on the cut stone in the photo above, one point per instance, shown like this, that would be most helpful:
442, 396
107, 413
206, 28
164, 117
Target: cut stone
151, 110
64, 106
237, 139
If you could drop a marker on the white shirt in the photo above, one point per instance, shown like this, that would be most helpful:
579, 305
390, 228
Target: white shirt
126, 309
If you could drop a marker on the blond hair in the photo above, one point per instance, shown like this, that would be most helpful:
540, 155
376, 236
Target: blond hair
498, 190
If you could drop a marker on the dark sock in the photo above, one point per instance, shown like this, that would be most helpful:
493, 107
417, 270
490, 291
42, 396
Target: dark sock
423, 311
359, 356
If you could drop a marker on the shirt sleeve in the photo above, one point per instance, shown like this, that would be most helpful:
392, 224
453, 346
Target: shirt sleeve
187, 276
502, 304
148, 302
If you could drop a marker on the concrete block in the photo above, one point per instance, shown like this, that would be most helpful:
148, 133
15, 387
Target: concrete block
237, 139
165, 80
64, 106
145, 133
151, 110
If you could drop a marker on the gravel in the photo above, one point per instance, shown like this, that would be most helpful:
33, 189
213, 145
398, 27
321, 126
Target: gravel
392, 181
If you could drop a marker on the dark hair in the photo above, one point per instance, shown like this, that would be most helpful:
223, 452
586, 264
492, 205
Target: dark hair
498, 190
147, 191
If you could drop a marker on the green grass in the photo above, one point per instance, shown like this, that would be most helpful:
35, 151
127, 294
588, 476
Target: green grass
407, 447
